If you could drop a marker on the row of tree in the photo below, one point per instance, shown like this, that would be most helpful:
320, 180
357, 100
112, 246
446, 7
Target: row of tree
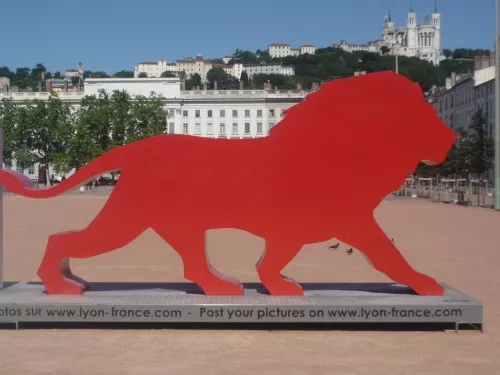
54, 133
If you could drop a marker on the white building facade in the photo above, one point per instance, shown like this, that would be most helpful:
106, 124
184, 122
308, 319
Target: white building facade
153, 69
232, 114
284, 50
252, 69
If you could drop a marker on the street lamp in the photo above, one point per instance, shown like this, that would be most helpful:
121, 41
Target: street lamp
497, 105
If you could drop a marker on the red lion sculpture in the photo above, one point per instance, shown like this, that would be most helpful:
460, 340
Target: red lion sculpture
302, 184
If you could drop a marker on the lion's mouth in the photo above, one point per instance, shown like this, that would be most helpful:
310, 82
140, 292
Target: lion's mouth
429, 162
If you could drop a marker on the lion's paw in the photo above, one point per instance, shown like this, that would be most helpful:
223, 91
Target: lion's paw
428, 287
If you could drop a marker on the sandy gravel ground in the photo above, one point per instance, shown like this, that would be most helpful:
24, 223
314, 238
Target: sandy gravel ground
457, 245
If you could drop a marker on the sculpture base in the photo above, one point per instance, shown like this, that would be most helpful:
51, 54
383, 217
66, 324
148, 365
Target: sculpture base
377, 303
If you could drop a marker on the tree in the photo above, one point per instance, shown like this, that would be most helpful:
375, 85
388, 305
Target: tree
75, 81
147, 118
167, 74
216, 74
193, 81
91, 74
478, 146
385, 50
142, 75
121, 107
447, 53
244, 78
8, 117
124, 74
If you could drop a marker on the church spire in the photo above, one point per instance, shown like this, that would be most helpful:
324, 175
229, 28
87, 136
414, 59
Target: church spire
411, 6
389, 15
435, 6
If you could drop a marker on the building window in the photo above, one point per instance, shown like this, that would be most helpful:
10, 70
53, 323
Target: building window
271, 124
209, 129
31, 169
209, 113
171, 113
247, 128
222, 129
259, 113
171, 127
259, 128
247, 113
197, 129
222, 113
235, 113
184, 113
19, 168
185, 128
197, 113
235, 128
271, 113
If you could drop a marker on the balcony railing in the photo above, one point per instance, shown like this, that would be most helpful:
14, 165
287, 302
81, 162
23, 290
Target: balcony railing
185, 94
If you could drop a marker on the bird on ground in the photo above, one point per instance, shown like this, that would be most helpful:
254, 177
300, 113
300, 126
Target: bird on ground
349, 251
334, 247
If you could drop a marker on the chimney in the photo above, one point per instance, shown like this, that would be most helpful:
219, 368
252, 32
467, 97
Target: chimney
453, 78
66, 85
241, 85
215, 85
448, 83
299, 87
315, 86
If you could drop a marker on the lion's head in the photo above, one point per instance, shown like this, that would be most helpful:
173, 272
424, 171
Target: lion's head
380, 112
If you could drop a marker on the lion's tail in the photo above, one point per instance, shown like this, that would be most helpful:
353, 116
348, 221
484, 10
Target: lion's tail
18, 183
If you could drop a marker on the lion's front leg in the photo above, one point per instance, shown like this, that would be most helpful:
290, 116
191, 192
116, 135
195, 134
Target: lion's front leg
277, 254
367, 236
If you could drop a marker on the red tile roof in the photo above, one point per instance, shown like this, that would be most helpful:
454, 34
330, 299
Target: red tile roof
280, 44
308, 45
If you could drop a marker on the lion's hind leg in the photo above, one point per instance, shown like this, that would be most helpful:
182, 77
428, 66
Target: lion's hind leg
190, 245
110, 230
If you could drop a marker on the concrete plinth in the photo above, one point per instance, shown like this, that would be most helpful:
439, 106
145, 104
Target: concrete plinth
184, 302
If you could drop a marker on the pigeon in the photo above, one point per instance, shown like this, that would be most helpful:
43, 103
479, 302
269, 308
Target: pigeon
392, 240
334, 247
349, 251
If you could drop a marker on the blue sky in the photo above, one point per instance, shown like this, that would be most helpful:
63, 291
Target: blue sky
112, 35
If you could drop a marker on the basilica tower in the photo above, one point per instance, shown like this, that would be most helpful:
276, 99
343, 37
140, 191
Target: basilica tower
411, 33
436, 22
